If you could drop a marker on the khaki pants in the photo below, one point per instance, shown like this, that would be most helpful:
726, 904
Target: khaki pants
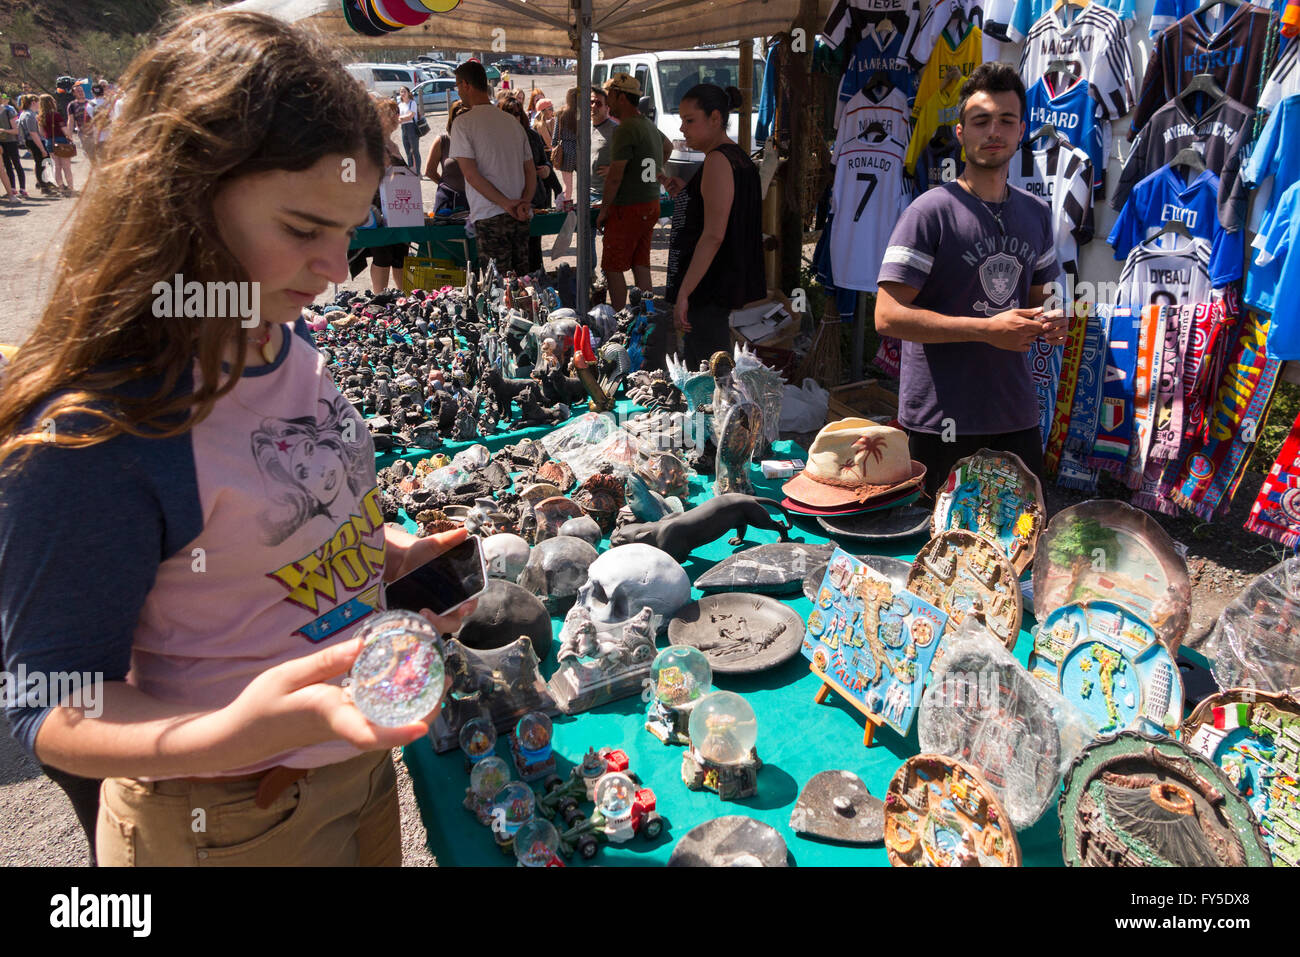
344, 814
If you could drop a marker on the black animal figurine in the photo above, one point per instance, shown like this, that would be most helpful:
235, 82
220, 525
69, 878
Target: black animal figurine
682, 532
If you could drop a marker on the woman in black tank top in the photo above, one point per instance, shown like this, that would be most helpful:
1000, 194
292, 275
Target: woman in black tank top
719, 253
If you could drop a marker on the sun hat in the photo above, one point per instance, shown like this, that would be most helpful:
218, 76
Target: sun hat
623, 83
544, 104
840, 475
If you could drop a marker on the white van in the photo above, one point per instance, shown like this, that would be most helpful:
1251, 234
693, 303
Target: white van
384, 78
666, 76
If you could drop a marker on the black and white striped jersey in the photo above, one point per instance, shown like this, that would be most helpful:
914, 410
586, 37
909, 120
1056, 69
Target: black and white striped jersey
1166, 270
1061, 176
1097, 41
1285, 79
849, 18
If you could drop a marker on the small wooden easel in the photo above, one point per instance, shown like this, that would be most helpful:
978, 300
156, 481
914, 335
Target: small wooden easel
828, 685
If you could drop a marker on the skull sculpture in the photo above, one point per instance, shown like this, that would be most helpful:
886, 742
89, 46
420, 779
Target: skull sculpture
630, 577
556, 569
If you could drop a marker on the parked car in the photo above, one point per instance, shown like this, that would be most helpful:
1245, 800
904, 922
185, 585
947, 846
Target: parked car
384, 78
515, 64
437, 96
666, 76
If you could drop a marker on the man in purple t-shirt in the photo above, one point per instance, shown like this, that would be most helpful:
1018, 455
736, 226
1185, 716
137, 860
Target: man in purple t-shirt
963, 285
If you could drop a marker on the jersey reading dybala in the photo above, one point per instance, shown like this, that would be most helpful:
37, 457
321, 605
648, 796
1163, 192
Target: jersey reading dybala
948, 246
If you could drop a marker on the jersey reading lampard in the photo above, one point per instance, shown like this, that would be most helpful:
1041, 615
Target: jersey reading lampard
948, 245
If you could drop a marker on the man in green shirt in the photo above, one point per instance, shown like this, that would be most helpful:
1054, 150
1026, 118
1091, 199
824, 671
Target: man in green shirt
630, 202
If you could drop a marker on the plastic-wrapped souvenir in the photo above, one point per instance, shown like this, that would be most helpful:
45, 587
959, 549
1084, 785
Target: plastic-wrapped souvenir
1105, 549
1256, 641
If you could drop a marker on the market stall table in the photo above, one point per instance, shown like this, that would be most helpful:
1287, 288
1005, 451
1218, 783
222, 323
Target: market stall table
796, 737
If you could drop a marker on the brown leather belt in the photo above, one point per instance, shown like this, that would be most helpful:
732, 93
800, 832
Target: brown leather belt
272, 782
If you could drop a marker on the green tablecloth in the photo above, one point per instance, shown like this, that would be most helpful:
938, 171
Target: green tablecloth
796, 739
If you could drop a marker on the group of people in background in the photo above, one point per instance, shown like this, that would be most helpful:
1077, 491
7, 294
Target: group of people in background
44, 126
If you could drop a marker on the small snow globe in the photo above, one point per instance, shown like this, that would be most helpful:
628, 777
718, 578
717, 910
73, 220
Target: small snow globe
533, 732
679, 677
535, 843
723, 728
681, 674
614, 793
512, 808
399, 676
478, 738
486, 780
722, 757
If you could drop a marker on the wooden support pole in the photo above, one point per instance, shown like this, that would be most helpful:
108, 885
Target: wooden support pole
797, 67
745, 78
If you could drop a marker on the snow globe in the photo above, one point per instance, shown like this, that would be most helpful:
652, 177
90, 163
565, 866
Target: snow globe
535, 844
478, 738
399, 676
512, 808
722, 757
531, 747
680, 676
487, 779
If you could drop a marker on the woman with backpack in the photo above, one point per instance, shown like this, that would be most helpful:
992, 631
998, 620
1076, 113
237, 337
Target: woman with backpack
54, 131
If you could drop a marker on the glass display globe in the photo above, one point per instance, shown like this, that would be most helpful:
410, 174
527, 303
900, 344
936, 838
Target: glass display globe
516, 800
489, 776
681, 674
533, 732
536, 842
478, 737
399, 676
723, 728
614, 792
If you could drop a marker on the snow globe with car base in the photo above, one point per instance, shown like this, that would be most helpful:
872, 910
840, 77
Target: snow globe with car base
722, 757
679, 677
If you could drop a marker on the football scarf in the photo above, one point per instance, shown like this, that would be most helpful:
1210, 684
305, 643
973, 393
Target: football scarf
1168, 434
1276, 512
1212, 470
1202, 321
889, 356
1069, 380
1075, 473
1045, 367
1114, 416
1146, 389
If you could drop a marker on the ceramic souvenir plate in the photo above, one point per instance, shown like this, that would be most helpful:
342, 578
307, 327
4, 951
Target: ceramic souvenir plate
739, 633
775, 569
1254, 738
883, 526
940, 813
732, 841
1139, 801
1108, 550
1108, 662
993, 495
961, 572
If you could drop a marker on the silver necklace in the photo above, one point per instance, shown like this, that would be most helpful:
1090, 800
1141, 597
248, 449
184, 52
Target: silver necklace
997, 216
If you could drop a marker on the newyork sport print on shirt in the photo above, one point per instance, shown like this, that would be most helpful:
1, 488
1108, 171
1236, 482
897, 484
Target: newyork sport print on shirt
998, 261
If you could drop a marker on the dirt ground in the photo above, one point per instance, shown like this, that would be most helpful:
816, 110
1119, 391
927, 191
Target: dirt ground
37, 826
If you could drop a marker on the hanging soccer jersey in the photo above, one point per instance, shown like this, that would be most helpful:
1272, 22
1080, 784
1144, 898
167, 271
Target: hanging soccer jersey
870, 190
1097, 40
1234, 56
1284, 81
964, 55
1013, 19
1165, 195
940, 161
1165, 270
1218, 131
1277, 266
1061, 176
1276, 156
935, 23
939, 110
1077, 114
849, 19
882, 48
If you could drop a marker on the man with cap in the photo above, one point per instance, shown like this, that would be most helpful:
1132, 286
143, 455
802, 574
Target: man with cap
965, 277
630, 199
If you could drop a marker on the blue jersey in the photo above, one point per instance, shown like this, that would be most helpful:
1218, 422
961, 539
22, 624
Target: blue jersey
1277, 265
879, 49
1276, 155
1164, 196
1023, 14
1077, 115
